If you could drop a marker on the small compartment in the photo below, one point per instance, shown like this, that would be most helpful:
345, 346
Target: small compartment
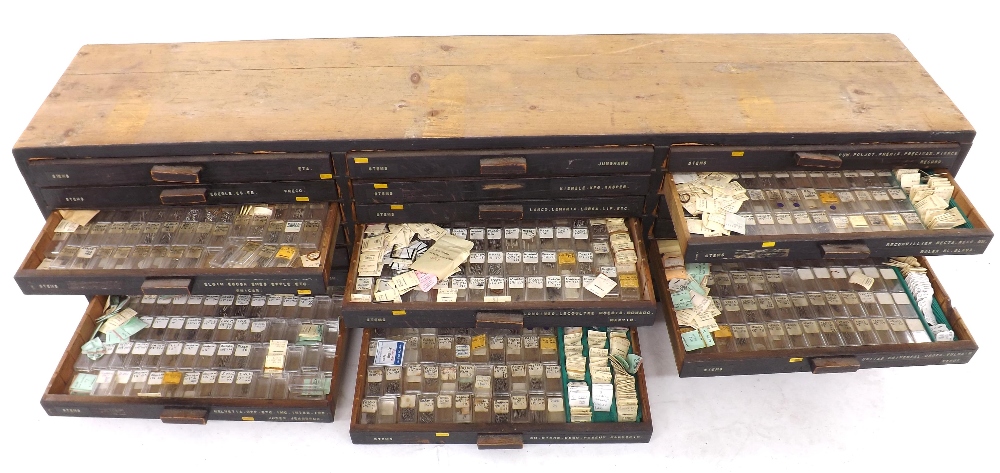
501, 163
216, 377
859, 227
499, 402
800, 316
264, 248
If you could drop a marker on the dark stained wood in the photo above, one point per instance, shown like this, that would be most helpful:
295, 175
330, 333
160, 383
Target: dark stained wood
965, 241
508, 209
57, 402
184, 416
702, 363
834, 364
817, 160
184, 196
185, 174
500, 441
390, 191
449, 433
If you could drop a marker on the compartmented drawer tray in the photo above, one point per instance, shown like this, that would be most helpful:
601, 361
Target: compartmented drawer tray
74, 172
181, 250
883, 329
136, 383
837, 220
516, 303
494, 163
457, 408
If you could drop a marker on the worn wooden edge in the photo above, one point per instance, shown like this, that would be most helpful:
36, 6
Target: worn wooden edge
184, 415
647, 295
62, 377
834, 364
500, 441
645, 425
684, 237
964, 337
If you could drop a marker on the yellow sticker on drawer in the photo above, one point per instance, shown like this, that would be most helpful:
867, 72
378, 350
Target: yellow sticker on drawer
326, 176
360, 160
737, 154
442, 434
304, 292
396, 207
302, 199
399, 312
767, 244
381, 186
794, 360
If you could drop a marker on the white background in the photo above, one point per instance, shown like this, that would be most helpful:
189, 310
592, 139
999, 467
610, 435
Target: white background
917, 418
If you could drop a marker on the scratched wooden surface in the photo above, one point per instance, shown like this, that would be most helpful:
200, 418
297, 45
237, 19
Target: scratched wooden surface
434, 87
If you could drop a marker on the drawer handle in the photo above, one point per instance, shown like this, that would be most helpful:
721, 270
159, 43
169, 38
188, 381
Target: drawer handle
834, 364
166, 287
185, 174
500, 320
818, 160
184, 415
500, 441
501, 212
845, 250
506, 166
502, 186
187, 196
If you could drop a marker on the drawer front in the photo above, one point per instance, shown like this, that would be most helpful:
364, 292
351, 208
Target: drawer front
691, 158
57, 402
457, 190
490, 435
854, 244
62, 172
198, 280
704, 362
628, 206
497, 163
213, 194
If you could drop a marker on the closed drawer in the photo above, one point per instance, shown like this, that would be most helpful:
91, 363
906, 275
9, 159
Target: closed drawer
786, 346
626, 206
498, 163
369, 427
211, 194
792, 241
164, 254
66, 172
689, 158
200, 395
517, 309
456, 190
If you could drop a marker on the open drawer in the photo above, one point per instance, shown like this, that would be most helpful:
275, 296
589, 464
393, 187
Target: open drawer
755, 339
133, 382
828, 225
462, 413
501, 163
513, 308
265, 249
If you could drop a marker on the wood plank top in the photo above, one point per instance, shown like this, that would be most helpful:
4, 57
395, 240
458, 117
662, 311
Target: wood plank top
489, 86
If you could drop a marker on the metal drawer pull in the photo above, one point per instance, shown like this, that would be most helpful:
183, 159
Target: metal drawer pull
834, 364
191, 196
503, 166
501, 212
185, 174
845, 250
818, 160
